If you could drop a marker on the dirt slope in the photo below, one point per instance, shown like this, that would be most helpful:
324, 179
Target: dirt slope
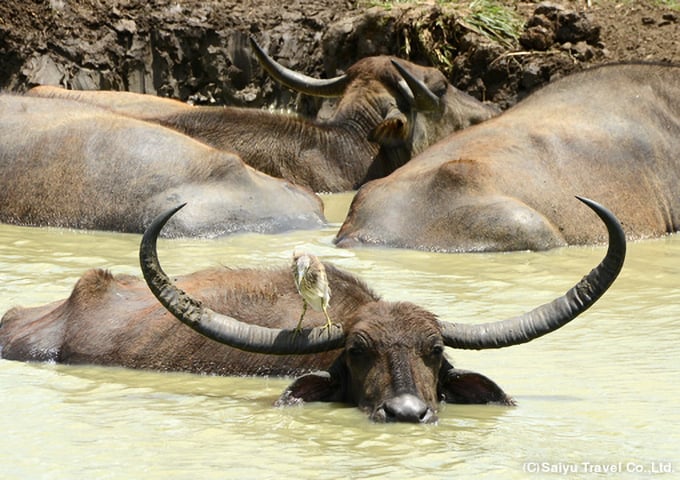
198, 50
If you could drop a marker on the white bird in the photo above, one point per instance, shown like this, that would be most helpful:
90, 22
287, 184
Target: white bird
312, 284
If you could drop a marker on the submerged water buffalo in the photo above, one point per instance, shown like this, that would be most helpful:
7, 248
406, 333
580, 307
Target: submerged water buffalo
386, 111
385, 357
66, 164
611, 133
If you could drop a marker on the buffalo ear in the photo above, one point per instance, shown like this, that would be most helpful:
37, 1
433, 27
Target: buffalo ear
462, 386
312, 387
393, 131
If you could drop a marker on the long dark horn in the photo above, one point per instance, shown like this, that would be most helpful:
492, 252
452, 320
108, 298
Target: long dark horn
553, 315
331, 87
422, 96
222, 328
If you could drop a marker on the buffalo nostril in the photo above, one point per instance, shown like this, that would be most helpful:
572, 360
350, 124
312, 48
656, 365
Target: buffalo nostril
407, 408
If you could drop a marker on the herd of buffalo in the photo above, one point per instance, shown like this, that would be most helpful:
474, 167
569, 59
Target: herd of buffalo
434, 170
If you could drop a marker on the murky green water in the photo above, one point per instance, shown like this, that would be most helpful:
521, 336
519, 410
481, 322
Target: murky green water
601, 393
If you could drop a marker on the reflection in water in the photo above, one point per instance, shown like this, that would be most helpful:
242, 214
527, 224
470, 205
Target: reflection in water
601, 390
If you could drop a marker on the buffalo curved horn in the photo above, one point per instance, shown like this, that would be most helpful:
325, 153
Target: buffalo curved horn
223, 328
550, 316
331, 87
417, 92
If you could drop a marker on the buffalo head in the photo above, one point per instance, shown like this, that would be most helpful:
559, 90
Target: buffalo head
391, 355
406, 106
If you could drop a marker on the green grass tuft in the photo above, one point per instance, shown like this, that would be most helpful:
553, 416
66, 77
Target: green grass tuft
495, 21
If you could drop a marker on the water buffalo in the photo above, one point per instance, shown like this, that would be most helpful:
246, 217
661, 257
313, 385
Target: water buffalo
66, 164
385, 112
611, 133
385, 357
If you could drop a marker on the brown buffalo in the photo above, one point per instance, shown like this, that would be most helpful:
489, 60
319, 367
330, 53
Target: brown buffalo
386, 111
66, 164
385, 357
611, 133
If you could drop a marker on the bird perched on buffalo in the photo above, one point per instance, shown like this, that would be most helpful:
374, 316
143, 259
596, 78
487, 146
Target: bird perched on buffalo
312, 284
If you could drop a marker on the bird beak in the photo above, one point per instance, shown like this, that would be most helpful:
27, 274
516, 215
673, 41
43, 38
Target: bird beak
302, 267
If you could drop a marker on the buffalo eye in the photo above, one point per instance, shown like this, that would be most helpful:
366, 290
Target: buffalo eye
436, 351
439, 88
357, 349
